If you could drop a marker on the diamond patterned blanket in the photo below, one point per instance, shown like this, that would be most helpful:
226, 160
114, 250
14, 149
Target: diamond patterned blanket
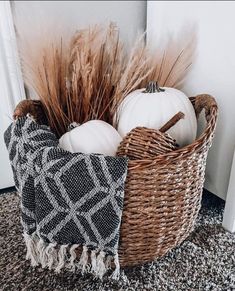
68, 201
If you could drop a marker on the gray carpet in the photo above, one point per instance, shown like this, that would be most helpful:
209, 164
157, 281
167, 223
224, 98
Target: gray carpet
205, 261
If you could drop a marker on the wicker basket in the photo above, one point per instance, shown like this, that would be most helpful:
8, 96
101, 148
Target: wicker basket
162, 195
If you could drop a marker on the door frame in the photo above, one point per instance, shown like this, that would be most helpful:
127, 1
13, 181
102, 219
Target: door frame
229, 211
11, 84
11, 79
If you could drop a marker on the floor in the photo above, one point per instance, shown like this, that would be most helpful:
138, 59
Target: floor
204, 261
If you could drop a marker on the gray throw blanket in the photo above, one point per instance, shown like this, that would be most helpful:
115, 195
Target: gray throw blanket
68, 200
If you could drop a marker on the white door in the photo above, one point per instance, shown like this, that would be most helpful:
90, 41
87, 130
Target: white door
11, 86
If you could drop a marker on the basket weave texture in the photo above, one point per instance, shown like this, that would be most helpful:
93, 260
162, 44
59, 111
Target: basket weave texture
163, 190
142, 142
163, 194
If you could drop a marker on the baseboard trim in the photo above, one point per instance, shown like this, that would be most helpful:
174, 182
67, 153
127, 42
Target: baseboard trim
7, 190
205, 191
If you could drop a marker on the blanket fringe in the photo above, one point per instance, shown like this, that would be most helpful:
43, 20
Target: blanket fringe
57, 257
100, 267
73, 256
116, 273
41, 247
108, 262
61, 258
83, 263
93, 261
51, 253
31, 245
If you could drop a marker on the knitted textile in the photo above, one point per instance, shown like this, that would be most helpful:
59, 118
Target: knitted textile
67, 200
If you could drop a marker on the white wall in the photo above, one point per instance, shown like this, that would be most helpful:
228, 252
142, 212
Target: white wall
130, 16
213, 71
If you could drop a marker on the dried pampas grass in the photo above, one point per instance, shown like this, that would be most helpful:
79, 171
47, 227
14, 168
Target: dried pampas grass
172, 61
95, 67
134, 72
89, 77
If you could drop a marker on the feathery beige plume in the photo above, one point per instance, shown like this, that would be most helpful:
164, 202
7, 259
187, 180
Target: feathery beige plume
89, 76
173, 60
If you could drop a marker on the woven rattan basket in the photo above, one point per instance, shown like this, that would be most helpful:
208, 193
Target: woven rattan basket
163, 195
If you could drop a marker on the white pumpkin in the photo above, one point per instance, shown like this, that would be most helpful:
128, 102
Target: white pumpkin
152, 107
94, 136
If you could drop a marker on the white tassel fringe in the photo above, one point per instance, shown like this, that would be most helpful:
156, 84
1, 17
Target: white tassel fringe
83, 260
61, 258
100, 267
41, 246
31, 245
73, 257
116, 273
93, 261
108, 262
49, 255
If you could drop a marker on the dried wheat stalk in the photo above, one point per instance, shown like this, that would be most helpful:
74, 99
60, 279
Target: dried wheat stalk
90, 77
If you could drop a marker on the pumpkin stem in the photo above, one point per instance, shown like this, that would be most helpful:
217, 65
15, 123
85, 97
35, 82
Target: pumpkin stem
73, 125
172, 121
153, 87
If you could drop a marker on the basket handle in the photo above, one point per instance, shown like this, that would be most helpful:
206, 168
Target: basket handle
204, 101
207, 102
34, 108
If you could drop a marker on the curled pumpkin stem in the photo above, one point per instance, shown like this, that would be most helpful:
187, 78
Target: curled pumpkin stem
172, 121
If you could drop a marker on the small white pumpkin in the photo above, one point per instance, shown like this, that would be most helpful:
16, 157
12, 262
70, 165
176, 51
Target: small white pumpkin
152, 107
94, 136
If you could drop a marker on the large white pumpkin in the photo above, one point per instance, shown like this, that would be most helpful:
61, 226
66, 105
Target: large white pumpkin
94, 136
153, 107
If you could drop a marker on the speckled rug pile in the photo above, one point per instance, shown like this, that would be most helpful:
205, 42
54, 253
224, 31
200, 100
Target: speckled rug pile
205, 261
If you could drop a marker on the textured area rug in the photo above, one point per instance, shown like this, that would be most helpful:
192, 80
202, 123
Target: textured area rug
204, 261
